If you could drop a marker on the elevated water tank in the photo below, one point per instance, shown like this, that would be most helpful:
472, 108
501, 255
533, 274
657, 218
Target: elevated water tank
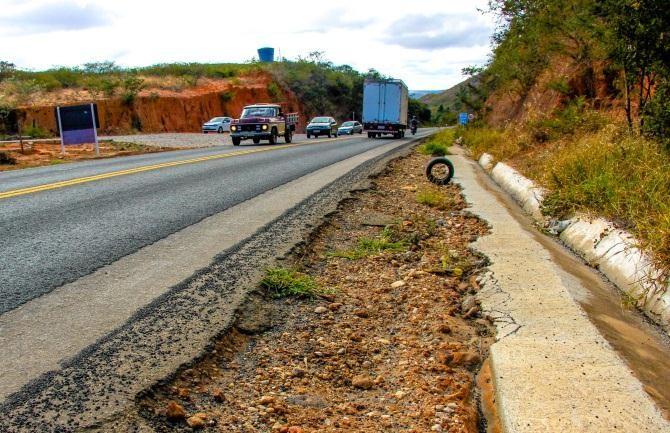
266, 54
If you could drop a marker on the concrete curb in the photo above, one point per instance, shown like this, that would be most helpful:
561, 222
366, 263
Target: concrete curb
599, 242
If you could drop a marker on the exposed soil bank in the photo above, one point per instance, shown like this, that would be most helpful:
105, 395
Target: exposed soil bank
395, 343
160, 111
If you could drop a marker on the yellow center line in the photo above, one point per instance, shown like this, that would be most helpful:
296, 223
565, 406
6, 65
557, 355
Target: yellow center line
80, 180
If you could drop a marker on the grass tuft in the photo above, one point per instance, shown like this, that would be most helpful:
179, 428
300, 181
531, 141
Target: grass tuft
433, 197
283, 282
438, 144
369, 247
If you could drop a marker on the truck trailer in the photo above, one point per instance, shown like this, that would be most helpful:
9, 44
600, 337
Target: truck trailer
385, 108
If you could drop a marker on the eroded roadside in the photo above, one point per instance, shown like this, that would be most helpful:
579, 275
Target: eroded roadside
394, 343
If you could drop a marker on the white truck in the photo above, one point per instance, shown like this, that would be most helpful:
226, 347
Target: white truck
385, 105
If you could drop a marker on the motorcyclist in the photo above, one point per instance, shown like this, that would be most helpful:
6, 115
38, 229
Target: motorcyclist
414, 123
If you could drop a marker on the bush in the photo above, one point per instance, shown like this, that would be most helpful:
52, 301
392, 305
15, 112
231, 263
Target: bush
131, 88
282, 282
439, 143
36, 132
657, 115
274, 91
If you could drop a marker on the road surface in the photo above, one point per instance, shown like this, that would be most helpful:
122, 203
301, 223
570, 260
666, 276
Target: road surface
115, 272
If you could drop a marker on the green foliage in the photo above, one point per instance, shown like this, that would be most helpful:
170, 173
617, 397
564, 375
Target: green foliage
575, 116
371, 246
36, 132
131, 86
274, 91
435, 198
420, 110
324, 89
7, 70
657, 115
283, 282
226, 96
439, 144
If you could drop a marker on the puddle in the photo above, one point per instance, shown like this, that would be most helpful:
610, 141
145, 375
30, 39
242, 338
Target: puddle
642, 345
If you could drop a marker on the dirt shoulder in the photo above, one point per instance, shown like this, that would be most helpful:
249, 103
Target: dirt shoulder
39, 154
393, 343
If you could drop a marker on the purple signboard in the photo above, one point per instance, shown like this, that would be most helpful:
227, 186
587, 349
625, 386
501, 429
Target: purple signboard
78, 124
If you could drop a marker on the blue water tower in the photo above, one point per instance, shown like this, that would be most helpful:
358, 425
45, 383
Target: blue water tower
266, 54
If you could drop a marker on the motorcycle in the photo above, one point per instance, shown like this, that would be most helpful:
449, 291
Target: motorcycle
413, 129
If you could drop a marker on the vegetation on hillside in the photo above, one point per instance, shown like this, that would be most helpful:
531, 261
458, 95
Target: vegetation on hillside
606, 149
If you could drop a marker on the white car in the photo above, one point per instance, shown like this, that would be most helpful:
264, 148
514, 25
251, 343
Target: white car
217, 124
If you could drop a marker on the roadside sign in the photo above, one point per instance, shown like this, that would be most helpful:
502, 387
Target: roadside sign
463, 118
78, 124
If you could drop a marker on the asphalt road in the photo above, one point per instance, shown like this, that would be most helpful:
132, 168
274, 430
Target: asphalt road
53, 237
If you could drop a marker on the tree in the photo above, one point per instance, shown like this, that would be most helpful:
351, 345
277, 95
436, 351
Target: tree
7, 70
23, 93
640, 44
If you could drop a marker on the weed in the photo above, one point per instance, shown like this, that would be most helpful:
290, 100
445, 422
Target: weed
283, 282
370, 246
274, 91
226, 96
439, 144
434, 198
35, 132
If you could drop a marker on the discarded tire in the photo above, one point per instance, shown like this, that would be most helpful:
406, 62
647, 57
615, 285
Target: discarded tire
440, 171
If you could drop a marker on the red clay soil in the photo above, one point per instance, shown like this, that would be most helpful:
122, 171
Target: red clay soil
40, 153
161, 110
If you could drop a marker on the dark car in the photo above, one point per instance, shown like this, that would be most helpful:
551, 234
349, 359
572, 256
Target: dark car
322, 126
351, 127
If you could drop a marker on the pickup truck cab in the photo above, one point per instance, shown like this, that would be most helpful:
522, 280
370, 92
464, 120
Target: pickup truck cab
263, 122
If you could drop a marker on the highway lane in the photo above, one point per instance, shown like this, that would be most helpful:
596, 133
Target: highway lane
53, 237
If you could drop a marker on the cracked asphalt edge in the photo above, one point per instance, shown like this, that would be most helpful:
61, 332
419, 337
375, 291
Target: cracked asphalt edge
97, 385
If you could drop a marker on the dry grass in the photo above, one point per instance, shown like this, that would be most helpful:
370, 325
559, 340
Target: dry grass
607, 172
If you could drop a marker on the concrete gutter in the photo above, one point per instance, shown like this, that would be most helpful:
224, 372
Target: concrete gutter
552, 370
612, 251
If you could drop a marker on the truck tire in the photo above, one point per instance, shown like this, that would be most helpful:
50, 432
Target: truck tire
273, 136
256, 140
236, 141
439, 178
330, 135
309, 136
288, 136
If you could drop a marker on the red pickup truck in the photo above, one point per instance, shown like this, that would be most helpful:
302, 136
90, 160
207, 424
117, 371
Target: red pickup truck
263, 122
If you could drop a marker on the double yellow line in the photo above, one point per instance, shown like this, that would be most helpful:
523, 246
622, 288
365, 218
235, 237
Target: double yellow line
80, 180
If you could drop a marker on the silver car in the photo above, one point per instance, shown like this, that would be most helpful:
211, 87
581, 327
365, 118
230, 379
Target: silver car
217, 124
351, 127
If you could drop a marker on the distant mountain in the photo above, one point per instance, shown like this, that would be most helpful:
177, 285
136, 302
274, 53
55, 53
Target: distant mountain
446, 98
417, 94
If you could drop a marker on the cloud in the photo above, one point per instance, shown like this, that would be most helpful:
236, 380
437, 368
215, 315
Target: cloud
338, 19
437, 32
56, 16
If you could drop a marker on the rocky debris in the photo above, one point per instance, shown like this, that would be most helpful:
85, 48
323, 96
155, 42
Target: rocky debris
390, 349
197, 421
174, 411
362, 382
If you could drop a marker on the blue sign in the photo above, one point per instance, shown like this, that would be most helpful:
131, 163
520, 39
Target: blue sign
463, 118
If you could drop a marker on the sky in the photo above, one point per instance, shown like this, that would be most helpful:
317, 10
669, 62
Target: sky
426, 43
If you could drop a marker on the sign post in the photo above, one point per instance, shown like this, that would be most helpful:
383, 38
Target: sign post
78, 124
463, 119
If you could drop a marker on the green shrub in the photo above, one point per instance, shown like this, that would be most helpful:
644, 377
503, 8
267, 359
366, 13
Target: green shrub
274, 91
439, 144
131, 88
36, 132
226, 96
283, 282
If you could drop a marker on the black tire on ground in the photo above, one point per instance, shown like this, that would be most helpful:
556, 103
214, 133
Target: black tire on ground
329, 134
256, 140
370, 135
288, 136
236, 141
273, 136
204, 132
436, 178
220, 130
309, 136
